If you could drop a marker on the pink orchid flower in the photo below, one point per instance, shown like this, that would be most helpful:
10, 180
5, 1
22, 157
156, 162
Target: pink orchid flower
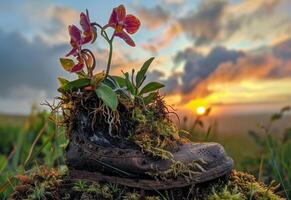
76, 40
79, 66
89, 31
76, 43
119, 21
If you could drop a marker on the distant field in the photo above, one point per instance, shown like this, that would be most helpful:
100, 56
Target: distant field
230, 131
12, 120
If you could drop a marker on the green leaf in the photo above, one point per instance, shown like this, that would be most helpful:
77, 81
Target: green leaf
79, 83
67, 64
276, 116
148, 99
150, 87
3, 163
183, 133
119, 80
97, 78
142, 72
108, 96
129, 85
62, 81
109, 83
81, 74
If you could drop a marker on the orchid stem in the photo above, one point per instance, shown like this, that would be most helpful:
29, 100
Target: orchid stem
109, 58
110, 41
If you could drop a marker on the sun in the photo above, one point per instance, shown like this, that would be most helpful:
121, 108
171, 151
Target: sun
200, 110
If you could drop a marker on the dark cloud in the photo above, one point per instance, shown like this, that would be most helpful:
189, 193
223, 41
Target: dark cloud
204, 26
254, 18
171, 83
26, 64
283, 50
198, 67
221, 65
153, 17
215, 22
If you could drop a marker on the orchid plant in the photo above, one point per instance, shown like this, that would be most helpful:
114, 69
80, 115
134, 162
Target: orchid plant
106, 87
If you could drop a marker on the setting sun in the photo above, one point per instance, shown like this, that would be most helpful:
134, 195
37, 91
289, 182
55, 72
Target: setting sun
200, 110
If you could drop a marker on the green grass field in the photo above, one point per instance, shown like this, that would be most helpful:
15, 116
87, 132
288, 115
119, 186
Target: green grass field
12, 120
268, 158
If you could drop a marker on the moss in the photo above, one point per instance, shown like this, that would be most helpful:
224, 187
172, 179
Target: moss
226, 194
251, 189
154, 134
178, 169
131, 196
238, 185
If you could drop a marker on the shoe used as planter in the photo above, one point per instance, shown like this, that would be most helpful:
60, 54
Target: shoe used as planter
192, 163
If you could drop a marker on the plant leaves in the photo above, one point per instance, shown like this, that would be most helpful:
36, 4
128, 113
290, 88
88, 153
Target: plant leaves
81, 74
184, 134
108, 96
62, 81
207, 111
148, 99
142, 72
110, 83
79, 83
67, 64
97, 78
129, 85
276, 116
120, 81
285, 109
3, 162
150, 87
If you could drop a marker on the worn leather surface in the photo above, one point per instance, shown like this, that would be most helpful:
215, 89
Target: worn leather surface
97, 154
129, 162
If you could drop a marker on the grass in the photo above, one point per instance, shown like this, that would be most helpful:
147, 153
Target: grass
12, 120
24, 145
239, 146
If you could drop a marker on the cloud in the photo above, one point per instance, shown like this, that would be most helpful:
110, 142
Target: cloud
153, 18
168, 36
283, 50
171, 83
221, 22
205, 25
51, 23
202, 26
198, 67
33, 65
247, 21
202, 73
173, 2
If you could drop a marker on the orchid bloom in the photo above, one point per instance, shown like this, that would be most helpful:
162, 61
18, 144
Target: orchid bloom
76, 43
79, 66
119, 21
89, 31
76, 40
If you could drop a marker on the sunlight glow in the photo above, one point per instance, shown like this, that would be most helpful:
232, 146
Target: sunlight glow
200, 110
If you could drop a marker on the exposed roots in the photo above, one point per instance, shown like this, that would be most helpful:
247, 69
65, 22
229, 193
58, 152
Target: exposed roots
110, 117
149, 127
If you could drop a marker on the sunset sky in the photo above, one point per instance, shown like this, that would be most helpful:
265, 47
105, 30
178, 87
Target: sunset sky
234, 56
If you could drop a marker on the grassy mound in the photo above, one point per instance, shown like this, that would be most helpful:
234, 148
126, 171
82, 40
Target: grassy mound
43, 183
